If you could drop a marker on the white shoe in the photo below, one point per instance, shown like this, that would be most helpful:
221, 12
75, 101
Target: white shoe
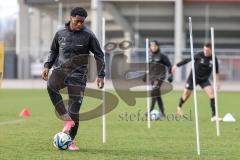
214, 119
179, 111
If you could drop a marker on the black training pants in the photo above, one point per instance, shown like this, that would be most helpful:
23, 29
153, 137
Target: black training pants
74, 84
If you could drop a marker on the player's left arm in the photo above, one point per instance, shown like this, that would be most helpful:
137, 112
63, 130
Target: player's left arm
99, 57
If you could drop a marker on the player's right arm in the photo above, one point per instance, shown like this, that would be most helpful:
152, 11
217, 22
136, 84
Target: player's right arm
54, 52
183, 62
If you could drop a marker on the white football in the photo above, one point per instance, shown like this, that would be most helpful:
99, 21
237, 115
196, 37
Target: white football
155, 115
62, 140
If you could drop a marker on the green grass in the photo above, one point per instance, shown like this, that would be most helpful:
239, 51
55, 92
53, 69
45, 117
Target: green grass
31, 139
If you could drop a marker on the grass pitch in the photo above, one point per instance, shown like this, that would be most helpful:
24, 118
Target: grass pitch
127, 134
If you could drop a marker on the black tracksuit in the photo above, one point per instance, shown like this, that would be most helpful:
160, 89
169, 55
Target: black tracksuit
203, 69
159, 65
69, 56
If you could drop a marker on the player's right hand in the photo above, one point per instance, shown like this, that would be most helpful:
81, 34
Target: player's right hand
100, 83
45, 74
174, 67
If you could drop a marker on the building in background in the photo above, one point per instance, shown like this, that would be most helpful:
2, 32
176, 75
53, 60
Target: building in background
8, 16
164, 20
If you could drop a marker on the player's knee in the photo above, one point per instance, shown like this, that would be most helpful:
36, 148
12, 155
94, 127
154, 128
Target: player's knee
75, 99
75, 103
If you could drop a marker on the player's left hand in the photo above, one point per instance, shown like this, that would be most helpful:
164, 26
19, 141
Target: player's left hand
100, 83
170, 78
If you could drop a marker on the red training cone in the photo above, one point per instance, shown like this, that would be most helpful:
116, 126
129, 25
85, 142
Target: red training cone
25, 113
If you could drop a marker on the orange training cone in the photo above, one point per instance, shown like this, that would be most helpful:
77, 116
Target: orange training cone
25, 113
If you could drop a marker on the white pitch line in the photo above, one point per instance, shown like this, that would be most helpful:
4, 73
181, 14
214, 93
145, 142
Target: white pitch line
11, 122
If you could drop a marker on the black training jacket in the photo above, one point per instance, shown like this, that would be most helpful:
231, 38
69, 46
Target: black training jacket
70, 49
158, 64
203, 65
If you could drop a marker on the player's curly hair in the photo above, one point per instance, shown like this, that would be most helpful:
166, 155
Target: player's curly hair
78, 11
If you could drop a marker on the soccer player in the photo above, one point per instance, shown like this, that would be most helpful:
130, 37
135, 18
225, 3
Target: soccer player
159, 63
69, 57
203, 69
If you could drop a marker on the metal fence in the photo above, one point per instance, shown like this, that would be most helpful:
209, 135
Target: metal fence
229, 63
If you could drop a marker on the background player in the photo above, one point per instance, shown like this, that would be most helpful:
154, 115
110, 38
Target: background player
203, 70
159, 63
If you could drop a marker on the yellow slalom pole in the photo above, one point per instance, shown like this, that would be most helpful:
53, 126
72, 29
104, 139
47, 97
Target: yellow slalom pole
1, 62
